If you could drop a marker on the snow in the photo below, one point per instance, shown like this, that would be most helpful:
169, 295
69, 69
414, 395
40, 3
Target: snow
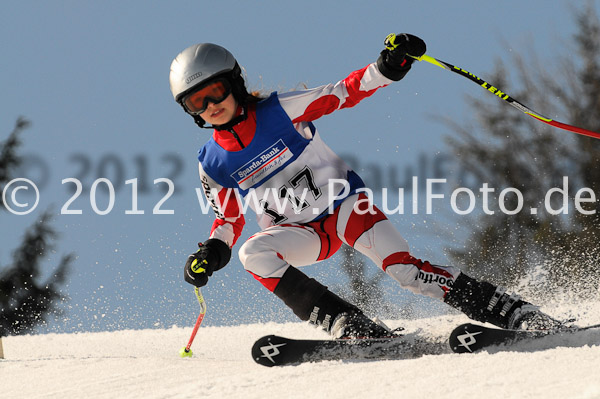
146, 363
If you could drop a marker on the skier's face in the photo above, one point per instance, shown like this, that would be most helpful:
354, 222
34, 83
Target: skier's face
221, 113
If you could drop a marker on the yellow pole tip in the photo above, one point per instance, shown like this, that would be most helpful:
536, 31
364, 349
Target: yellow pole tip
183, 352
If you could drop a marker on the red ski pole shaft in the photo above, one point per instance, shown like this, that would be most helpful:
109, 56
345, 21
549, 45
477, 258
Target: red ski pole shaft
198, 321
194, 331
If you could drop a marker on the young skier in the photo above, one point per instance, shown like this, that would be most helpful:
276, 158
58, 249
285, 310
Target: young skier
268, 147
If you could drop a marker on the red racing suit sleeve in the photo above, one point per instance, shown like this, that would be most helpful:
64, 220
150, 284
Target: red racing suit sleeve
308, 105
229, 219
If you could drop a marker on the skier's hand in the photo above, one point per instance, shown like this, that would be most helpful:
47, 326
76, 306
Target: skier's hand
402, 44
211, 256
400, 52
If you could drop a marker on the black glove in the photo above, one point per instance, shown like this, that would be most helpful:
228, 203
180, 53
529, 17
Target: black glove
213, 255
400, 52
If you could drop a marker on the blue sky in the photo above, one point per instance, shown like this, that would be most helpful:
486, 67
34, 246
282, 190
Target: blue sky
92, 77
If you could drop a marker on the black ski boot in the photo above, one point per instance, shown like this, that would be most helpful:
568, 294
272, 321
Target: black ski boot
487, 303
313, 302
529, 317
357, 325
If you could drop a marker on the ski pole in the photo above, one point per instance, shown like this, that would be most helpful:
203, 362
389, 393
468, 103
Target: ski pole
502, 95
186, 351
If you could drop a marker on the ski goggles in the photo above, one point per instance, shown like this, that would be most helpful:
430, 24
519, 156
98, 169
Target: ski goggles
214, 91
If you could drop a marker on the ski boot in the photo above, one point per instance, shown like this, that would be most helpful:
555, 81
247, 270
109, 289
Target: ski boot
488, 303
528, 317
354, 325
313, 302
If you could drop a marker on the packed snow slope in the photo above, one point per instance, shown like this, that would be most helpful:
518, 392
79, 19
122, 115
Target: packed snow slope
146, 363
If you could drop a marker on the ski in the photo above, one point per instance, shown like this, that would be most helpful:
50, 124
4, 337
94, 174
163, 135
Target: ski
273, 350
468, 338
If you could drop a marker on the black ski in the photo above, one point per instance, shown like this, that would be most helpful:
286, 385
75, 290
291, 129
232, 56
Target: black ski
273, 350
468, 338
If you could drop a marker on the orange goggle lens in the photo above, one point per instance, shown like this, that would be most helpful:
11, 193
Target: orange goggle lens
215, 92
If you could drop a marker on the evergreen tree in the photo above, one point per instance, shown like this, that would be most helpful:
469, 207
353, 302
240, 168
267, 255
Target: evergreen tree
25, 301
508, 149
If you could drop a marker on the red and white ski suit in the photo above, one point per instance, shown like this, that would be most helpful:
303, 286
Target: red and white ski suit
277, 149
